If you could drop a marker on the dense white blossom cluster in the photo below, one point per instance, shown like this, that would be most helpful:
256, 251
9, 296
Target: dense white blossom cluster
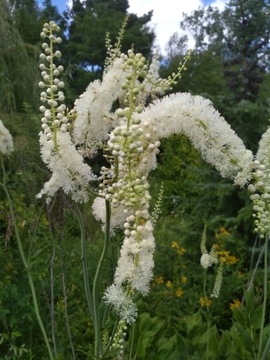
260, 188
6, 142
122, 116
195, 117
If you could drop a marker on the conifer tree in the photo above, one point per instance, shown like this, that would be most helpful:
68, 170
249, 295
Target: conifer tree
90, 21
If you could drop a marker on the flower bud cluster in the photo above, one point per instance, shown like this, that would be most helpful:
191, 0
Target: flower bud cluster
119, 338
150, 84
135, 67
260, 196
52, 96
218, 282
158, 206
128, 145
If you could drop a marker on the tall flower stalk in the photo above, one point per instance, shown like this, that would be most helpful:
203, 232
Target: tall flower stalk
125, 116
260, 196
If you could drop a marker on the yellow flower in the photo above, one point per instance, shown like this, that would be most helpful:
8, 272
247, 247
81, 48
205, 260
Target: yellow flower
221, 234
223, 231
174, 245
235, 304
179, 292
205, 301
181, 250
169, 284
227, 258
183, 279
159, 280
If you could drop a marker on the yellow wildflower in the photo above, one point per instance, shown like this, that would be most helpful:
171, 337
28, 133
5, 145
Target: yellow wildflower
159, 280
179, 292
205, 301
169, 284
174, 245
227, 258
181, 250
221, 234
235, 304
223, 231
183, 279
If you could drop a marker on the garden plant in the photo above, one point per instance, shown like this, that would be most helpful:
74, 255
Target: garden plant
101, 154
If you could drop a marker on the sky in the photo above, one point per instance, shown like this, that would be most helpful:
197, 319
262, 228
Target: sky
167, 15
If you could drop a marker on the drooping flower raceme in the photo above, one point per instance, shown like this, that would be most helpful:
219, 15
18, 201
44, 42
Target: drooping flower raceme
6, 142
196, 118
115, 117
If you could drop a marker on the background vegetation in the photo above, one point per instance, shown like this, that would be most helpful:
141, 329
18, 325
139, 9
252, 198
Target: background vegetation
178, 320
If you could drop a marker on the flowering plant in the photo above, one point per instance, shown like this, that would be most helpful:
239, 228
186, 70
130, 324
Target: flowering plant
125, 116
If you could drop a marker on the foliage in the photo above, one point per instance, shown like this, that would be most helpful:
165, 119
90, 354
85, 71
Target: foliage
86, 50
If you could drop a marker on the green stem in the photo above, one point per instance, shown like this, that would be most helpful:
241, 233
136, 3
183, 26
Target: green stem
266, 350
26, 265
108, 345
64, 286
84, 263
98, 342
264, 296
207, 310
132, 341
52, 290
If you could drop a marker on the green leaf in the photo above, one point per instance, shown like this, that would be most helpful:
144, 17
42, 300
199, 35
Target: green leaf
240, 316
256, 318
250, 301
193, 320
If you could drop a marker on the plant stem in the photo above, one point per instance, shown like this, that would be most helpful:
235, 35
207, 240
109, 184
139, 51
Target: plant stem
98, 343
64, 286
132, 341
26, 265
52, 291
84, 263
108, 345
264, 295
266, 350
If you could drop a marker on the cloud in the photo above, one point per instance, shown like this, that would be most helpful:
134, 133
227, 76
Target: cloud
167, 15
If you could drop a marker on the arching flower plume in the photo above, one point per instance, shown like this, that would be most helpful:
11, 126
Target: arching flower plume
195, 117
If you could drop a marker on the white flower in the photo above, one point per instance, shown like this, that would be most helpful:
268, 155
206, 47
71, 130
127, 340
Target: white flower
135, 265
122, 303
263, 153
117, 213
69, 171
92, 123
207, 260
6, 142
218, 282
260, 188
196, 118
